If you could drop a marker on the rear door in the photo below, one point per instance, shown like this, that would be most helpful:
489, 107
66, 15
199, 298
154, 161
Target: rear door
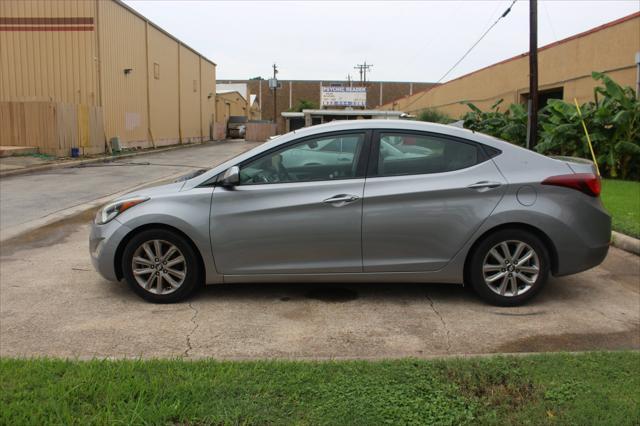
425, 195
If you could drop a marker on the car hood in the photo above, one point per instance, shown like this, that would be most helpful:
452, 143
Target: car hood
154, 190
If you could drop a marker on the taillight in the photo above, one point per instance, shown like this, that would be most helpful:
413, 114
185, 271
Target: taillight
587, 183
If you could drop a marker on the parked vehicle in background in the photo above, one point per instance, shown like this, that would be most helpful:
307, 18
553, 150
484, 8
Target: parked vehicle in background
365, 200
236, 126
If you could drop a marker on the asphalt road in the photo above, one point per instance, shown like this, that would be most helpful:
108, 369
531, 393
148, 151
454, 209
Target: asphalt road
27, 198
52, 303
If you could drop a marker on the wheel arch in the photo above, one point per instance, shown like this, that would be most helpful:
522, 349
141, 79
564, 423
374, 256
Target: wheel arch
120, 250
548, 243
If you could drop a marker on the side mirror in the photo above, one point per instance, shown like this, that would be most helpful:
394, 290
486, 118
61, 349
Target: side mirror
231, 177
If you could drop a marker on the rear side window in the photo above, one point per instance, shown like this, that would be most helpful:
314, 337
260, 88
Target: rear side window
413, 154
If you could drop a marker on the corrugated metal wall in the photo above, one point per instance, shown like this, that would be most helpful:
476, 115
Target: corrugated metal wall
566, 64
123, 47
208, 98
189, 95
77, 51
48, 51
163, 87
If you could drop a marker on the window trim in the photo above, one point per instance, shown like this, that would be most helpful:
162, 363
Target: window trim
374, 156
361, 168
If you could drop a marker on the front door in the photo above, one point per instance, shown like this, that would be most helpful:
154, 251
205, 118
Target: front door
424, 198
297, 210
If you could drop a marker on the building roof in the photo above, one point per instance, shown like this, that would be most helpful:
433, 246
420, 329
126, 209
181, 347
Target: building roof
522, 55
241, 88
162, 30
229, 92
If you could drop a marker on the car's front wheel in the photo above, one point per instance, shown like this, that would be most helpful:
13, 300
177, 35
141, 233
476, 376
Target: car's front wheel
509, 267
161, 266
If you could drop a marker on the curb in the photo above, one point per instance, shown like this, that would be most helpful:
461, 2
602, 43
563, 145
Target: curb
60, 215
625, 242
72, 163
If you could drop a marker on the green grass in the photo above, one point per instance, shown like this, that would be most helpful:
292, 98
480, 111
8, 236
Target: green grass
592, 388
622, 200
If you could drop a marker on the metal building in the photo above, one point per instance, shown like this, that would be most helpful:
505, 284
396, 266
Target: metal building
564, 72
77, 73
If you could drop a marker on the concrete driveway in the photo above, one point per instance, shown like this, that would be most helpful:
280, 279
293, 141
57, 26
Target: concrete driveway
26, 200
53, 303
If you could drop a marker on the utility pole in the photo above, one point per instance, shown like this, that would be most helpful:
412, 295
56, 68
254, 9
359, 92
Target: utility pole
362, 69
532, 130
274, 85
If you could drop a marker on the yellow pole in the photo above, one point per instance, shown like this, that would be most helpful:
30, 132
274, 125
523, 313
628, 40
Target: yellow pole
584, 126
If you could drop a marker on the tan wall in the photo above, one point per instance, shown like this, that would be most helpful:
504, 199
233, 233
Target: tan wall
189, 95
237, 105
80, 55
54, 65
208, 98
53, 128
122, 46
566, 64
163, 90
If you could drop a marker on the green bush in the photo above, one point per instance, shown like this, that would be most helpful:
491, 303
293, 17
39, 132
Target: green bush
303, 104
612, 120
434, 116
510, 125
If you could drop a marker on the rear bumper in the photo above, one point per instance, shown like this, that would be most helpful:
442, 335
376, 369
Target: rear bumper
584, 241
581, 260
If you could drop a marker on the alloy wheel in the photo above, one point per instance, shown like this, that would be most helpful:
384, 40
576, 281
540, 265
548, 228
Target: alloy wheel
511, 268
159, 267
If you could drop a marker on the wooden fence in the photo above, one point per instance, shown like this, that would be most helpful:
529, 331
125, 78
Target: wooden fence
53, 128
259, 132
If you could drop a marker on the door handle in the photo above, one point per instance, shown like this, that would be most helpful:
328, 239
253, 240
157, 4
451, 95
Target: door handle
484, 184
342, 198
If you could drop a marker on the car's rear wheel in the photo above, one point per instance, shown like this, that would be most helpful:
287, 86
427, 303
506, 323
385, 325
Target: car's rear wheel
509, 267
161, 266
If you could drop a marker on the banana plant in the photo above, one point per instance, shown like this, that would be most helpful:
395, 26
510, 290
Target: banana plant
612, 120
616, 127
510, 125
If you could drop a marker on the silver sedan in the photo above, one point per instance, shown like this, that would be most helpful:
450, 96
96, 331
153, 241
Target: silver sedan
392, 201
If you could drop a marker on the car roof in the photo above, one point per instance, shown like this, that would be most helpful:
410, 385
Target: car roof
347, 125
390, 124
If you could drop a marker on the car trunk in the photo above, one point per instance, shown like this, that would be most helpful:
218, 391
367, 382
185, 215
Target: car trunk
577, 164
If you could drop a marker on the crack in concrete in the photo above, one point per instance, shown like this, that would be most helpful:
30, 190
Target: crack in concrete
444, 323
195, 327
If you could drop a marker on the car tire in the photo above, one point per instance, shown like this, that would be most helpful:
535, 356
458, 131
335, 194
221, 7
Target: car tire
155, 277
504, 257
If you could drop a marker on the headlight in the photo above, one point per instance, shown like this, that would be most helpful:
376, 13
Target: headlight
110, 211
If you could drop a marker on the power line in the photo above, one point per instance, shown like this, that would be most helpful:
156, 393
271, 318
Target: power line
553, 30
363, 68
505, 13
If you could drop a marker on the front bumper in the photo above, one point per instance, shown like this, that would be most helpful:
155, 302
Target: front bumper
104, 241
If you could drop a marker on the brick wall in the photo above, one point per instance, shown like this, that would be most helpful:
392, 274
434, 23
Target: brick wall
310, 90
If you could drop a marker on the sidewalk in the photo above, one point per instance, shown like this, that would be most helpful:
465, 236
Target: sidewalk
54, 192
20, 164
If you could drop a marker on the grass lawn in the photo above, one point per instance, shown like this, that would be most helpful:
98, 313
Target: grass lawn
585, 389
622, 200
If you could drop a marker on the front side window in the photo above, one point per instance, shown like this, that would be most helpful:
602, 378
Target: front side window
412, 154
322, 158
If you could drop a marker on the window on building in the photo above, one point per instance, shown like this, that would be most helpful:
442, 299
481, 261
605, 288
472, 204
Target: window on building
156, 71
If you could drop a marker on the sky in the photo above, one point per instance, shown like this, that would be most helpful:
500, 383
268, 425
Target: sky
404, 40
